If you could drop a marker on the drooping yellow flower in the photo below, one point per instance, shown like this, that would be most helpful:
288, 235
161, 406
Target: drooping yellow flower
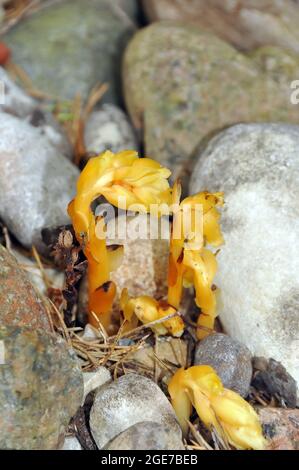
232, 417
147, 310
195, 224
124, 180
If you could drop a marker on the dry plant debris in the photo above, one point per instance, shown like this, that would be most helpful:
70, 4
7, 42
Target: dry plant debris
16, 10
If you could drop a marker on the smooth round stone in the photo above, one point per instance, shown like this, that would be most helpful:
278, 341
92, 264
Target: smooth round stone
70, 46
182, 84
146, 436
55, 277
15, 101
230, 359
129, 400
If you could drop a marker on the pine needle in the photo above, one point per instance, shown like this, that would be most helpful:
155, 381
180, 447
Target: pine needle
95, 96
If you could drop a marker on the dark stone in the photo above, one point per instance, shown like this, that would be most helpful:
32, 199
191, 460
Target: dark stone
272, 377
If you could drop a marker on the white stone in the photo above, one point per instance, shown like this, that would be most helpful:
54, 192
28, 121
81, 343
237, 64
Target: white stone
95, 379
257, 167
89, 333
71, 443
129, 400
109, 129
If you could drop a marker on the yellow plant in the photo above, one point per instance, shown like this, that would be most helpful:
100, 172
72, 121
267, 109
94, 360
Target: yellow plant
127, 181
147, 310
217, 407
124, 180
190, 263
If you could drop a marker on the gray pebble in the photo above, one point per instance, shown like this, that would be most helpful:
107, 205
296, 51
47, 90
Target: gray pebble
230, 359
147, 436
129, 400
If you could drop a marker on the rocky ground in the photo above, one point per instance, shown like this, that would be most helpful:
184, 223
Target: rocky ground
204, 88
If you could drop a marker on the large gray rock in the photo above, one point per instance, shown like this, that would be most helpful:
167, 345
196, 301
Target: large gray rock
36, 182
147, 436
41, 388
70, 46
129, 400
108, 128
230, 359
16, 102
257, 167
182, 84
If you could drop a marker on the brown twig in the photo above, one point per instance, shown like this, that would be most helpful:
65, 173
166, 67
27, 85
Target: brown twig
62, 323
19, 73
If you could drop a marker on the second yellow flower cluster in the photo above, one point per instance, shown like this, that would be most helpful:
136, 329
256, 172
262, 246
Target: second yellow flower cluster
219, 408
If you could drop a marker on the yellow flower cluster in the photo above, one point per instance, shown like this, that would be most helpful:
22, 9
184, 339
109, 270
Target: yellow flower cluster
124, 180
190, 263
217, 407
